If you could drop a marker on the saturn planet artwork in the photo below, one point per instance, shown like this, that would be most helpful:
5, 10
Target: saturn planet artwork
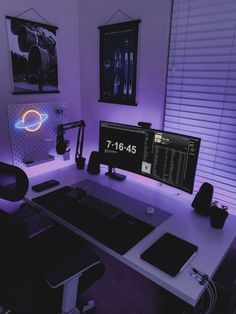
31, 120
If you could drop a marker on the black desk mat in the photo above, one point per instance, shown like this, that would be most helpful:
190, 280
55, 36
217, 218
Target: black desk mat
124, 202
119, 234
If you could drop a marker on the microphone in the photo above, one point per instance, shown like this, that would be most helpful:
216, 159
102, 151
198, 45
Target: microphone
62, 144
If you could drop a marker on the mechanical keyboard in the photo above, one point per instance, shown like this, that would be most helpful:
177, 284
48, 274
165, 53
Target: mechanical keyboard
107, 210
119, 234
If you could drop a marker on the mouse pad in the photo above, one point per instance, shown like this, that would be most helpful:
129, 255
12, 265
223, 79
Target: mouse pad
170, 254
120, 234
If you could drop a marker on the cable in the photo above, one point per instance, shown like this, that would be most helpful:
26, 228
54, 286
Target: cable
210, 282
203, 279
212, 298
209, 290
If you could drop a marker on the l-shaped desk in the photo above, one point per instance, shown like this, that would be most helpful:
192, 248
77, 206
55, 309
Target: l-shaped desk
184, 222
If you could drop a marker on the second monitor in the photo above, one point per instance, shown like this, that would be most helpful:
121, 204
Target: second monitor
164, 156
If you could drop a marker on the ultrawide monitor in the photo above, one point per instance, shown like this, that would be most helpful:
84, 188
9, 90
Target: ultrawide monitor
164, 156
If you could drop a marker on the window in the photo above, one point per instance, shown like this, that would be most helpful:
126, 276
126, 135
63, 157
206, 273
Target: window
201, 89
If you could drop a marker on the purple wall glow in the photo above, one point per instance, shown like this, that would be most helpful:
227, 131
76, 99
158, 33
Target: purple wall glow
78, 63
63, 14
151, 69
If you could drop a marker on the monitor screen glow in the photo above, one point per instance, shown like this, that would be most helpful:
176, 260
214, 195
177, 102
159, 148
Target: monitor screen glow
164, 156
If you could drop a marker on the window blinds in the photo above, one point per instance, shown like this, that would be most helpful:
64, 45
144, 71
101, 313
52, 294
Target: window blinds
201, 89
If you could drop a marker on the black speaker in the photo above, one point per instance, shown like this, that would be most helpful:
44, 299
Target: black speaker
94, 163
203, 199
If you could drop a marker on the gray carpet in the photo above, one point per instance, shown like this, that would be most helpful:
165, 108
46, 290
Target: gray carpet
124, 291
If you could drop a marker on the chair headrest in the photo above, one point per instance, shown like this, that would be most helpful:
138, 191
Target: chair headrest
15, 191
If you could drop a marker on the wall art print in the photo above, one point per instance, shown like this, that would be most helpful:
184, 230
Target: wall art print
33, 50
118, 62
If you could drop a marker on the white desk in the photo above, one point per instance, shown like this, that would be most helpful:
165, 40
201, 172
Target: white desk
212, 244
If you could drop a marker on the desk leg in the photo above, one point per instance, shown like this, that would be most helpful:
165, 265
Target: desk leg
70, 297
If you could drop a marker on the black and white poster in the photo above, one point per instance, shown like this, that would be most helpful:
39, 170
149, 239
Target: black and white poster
33, 53
118, 62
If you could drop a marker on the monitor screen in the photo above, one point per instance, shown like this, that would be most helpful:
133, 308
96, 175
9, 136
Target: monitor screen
164, 156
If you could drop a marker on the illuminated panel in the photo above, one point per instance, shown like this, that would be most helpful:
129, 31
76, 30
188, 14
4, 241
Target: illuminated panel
31, 120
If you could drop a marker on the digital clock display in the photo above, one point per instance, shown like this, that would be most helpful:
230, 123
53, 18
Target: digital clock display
132, 149
125, 147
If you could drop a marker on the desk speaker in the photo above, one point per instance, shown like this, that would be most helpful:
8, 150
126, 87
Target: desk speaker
203, 199
94, 163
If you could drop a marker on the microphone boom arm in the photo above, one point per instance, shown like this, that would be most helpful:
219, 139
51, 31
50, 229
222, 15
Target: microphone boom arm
80, 161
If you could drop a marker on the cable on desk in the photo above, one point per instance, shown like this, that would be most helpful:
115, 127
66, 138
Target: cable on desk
203, 279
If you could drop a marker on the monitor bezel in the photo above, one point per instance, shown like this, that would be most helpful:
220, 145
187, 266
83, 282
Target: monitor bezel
155, 130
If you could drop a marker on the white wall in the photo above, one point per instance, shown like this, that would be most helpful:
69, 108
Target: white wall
152, 62
78, 61
63, 14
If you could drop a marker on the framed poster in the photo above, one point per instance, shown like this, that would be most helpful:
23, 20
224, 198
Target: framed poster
118, 62
33, 54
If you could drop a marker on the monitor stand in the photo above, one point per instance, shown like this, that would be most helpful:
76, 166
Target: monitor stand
114, 175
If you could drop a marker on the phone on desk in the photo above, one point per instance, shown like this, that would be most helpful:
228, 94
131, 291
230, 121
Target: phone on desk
45, 185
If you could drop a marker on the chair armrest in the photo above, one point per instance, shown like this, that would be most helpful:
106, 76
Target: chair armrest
70, 268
